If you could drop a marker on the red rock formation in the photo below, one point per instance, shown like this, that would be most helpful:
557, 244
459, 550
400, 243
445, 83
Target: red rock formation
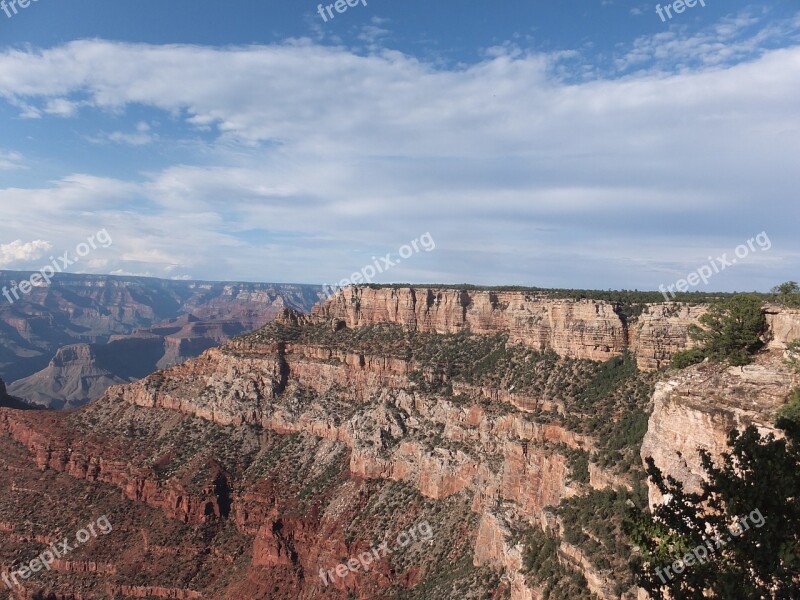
141, 591
700, 405
78, 458
483, 449
580, 329
590, 329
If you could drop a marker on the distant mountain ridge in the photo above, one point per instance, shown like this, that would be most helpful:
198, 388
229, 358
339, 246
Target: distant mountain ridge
63, 344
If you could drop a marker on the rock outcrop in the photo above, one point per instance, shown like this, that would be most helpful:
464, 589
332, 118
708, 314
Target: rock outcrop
285, 453
784, 324
582, 329
697, 407
661, 331
585, 329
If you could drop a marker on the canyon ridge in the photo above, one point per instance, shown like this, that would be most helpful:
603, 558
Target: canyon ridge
513, 422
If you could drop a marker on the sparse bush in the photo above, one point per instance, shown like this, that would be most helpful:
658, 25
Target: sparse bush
579, 465
732, 330
687, 358
556, 580
787, 294
789, 415
793, 352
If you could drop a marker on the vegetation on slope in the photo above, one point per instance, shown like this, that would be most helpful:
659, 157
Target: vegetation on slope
732, 331
594, 523
605, 400
787, 294
788, 417
545, 570
704, 538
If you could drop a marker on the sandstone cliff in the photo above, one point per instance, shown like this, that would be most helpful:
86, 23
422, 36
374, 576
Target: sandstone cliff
696, 408
289, 450
587, 329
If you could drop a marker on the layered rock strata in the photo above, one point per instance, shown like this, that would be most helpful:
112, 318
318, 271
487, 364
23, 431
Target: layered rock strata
585, 329
359, 419
698, 407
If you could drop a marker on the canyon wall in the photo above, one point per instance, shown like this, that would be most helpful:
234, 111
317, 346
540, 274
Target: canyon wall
505, 455
697, 407
587, 329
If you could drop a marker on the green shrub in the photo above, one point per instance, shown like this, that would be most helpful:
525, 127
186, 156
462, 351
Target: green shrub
556, 580
787, 294
732, 329
687, 358
579, 465
793, 349
789, 415
757, 474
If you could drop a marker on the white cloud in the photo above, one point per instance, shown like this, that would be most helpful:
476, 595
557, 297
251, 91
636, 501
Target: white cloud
19, 251
522, 171
141, 137
10, 161
61, 107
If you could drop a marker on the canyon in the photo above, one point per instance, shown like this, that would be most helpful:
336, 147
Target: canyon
495, 416
65, 343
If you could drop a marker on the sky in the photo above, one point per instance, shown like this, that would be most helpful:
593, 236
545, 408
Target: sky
571, 144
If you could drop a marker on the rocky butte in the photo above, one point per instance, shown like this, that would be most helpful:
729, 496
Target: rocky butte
510, 421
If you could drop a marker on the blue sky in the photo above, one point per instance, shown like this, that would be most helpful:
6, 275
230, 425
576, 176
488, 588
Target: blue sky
561, 144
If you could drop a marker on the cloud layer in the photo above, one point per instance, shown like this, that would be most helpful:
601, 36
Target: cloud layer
307, 160
19, 251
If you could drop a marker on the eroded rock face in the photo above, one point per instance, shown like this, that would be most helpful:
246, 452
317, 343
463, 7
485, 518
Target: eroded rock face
661, 331
580, 329
385, 437
361, 420
492, 548
784, 324
699, 406
440, 447
589, 329
65, 454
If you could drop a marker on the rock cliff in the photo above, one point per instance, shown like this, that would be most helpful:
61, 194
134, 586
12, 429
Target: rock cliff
696, 408
585, 329
292, 449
